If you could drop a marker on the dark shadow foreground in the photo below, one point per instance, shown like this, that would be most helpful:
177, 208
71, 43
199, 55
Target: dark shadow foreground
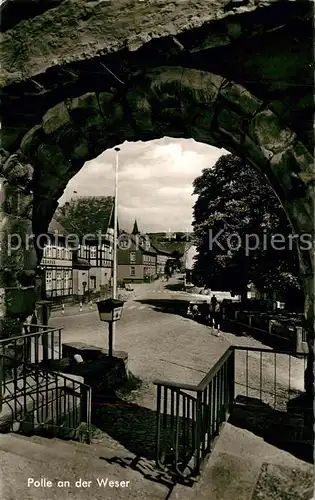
282, 429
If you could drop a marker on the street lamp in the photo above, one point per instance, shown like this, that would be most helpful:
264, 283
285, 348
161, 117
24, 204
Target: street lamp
110, 311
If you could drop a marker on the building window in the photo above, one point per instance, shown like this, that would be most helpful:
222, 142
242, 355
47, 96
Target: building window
92, 252
48, 280
54, 252
66, 280
124, 242
59, 280
93, 282
132, 256
48, 251
132, 271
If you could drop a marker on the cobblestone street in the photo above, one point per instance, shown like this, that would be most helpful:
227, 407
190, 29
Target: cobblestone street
163, 344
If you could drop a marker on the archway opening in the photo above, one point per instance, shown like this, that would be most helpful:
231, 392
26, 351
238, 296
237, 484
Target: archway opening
181, 103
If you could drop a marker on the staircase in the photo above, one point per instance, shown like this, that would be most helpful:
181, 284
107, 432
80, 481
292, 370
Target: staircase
76, 471
191, 420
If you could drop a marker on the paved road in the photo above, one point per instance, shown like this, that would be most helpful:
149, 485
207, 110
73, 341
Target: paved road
161, 342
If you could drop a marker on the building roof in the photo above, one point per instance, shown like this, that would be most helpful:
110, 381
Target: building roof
56, 228
169, 246
87, 215
141, 246
159, 248
79, 263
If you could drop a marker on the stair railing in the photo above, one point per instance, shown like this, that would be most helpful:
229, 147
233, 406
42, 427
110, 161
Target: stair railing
38, 343
38, 398
189, 417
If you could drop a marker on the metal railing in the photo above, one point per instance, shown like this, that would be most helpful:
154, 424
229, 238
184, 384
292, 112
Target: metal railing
189, 417
267, 326
37, 400
39, 343
272, 377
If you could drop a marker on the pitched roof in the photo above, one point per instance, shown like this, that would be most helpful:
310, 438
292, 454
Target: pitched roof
56, 228
135, 240
169, 246
159, 248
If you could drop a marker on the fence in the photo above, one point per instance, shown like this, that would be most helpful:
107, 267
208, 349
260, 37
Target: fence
40, 400
278, 330
271, 377
39, 344
31, 394
189, 417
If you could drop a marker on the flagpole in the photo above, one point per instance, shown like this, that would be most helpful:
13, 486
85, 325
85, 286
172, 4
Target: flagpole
114, 293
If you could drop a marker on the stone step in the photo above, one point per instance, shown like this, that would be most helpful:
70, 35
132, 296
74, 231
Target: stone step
23, 459
108, 448
227, 476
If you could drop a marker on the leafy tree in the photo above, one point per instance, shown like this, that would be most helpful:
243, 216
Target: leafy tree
236, 201
86, 215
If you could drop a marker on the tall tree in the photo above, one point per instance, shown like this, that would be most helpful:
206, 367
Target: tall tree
236, 216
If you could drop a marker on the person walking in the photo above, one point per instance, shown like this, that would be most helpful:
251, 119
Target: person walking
213, 302
217, 314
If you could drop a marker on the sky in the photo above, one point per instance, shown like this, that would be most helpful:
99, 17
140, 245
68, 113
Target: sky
154, 182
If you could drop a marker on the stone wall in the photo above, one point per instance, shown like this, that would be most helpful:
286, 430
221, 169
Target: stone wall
18, 257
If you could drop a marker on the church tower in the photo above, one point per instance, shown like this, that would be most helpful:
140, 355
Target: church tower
135, 228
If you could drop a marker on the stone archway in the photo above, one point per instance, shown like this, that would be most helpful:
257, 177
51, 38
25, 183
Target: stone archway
184, 98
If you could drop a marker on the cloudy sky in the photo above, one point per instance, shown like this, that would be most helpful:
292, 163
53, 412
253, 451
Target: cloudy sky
155, 181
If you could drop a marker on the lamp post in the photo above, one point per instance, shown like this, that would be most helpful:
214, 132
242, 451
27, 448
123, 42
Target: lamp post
110, 305
114, 293
110, 310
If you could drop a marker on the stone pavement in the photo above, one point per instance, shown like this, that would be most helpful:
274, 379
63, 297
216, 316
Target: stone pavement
76, 471
234, 467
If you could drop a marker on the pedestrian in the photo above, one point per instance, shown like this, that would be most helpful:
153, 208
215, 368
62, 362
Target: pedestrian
217, 314
214, 302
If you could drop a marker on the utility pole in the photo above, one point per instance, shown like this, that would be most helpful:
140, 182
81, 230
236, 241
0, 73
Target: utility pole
114, 293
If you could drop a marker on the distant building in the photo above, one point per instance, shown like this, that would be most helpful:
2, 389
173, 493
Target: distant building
57, 263
162, 256
136, 259
81, 272
98, 252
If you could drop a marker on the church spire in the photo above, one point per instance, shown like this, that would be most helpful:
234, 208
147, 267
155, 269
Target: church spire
135, 228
